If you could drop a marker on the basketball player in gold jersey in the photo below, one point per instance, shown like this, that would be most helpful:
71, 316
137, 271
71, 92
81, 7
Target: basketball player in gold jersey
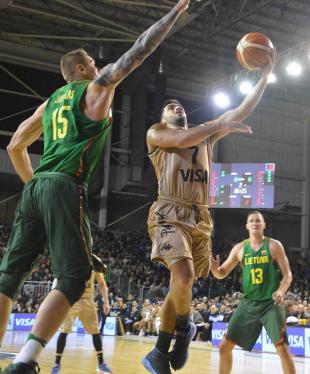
179, 221
85, 309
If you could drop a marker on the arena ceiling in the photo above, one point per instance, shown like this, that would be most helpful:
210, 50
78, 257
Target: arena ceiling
201, 48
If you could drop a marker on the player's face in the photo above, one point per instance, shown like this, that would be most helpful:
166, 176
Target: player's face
174, 114
256, 224
91, 70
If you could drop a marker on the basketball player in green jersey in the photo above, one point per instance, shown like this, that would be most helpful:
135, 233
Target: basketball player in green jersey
262, 260
179, 222
53, 206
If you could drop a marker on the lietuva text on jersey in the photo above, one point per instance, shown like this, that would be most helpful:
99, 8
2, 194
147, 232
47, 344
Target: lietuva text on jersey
256, 260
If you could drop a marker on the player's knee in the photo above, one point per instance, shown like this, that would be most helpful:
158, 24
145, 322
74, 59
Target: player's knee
225, 346
183, 275
73, 289
10, 284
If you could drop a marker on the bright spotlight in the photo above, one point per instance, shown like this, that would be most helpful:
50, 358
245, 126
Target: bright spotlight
294, 69
221, 100
246, 87
271, 78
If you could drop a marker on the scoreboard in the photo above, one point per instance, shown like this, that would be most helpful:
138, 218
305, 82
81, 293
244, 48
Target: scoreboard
242, 185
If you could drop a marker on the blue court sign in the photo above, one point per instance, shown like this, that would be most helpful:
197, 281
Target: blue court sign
298, 338
25, 321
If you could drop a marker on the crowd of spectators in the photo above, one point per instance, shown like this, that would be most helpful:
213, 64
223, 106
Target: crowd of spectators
128, 256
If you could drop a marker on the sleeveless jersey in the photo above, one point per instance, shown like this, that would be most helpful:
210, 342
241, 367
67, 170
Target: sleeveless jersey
183, 173
261, 276
73, 144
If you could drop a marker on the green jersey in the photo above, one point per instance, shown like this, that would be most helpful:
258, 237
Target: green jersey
261, 275
73, 143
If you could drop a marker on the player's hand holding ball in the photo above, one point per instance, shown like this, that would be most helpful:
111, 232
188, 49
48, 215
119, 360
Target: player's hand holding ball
256, 51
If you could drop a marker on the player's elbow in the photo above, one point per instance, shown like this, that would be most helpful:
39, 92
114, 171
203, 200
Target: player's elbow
14, 147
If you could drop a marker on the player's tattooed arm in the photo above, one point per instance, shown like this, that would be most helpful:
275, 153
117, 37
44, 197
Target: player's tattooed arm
146, 44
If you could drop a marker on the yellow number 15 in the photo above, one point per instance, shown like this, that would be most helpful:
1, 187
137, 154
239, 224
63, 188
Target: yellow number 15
257, 276
60, 123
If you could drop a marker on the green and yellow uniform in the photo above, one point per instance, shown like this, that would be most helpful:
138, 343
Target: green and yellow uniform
261, 278
53, 206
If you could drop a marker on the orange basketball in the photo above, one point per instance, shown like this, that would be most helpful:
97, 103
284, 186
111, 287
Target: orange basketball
254, 50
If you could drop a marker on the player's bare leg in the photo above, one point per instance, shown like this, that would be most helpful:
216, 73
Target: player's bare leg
5, 311
49, 318
182, 277
174, 314
226, 358
287, 362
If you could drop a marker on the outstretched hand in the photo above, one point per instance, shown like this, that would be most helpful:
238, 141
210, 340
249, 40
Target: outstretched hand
215, 263
234, 126
182, 5
268, 69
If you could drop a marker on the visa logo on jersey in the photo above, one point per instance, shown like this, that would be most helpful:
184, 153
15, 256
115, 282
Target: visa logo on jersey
194, 175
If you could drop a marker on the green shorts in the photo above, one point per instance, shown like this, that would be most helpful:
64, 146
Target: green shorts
52, 211
246, 323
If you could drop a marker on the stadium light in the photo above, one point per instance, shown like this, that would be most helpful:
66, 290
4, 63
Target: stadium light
271, 78
221, 100
246, 87
294, 69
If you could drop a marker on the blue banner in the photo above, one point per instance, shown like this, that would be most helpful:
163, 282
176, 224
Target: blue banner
25, 321
298, 338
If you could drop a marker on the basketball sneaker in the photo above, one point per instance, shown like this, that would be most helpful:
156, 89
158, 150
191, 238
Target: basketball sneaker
21, 368
179, 354
103, 369
156, 362
56, 369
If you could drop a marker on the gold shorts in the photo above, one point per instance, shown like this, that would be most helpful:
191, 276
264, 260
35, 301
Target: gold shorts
181, 230
85, 309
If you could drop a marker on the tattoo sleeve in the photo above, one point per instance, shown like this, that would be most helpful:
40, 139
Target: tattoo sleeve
146, 44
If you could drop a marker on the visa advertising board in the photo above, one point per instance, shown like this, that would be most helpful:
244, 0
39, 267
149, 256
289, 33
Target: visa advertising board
298, 338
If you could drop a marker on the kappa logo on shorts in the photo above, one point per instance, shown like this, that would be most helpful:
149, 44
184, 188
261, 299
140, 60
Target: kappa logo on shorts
166, 231
167, 246
160, 218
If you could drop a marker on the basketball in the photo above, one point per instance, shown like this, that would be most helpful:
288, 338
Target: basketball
254, 51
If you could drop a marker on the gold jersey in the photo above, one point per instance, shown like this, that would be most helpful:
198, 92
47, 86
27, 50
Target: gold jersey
183, 173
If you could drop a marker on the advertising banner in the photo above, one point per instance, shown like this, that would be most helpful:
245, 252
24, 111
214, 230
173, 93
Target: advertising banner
298, 338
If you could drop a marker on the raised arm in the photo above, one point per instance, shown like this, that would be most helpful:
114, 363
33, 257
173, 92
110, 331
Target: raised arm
221, 271
111, 75
26, 134
248, 105
143, 47
278, 254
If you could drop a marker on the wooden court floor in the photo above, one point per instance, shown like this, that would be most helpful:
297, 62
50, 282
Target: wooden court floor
123, 354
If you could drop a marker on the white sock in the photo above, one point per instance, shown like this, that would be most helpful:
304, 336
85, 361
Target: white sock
30, 352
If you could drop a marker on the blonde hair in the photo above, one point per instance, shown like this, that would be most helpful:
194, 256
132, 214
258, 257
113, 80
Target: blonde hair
69, 61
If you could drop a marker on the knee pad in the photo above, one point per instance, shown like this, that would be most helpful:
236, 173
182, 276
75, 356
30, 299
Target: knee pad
11, 284
73, 289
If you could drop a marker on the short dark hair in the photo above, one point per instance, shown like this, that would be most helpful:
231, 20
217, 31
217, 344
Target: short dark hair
167, 102
255, 212
70, 60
